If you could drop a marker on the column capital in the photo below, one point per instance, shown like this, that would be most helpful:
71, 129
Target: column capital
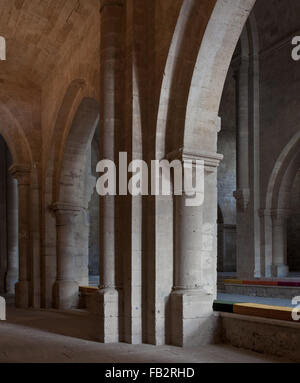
264, 212
242, 197
66, 207
66, 213
110, 3
278, 214
211, 160
21, 173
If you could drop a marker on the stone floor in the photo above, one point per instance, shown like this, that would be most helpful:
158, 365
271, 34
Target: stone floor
39, 336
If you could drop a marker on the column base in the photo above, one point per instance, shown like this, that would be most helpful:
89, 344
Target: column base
108, 303
193, 322
22, 295
65, 295
279, 271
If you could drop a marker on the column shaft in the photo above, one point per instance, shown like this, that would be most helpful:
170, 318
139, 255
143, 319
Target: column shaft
22, 174
188, 237
12, 234
110, 100
279, 246
66, 289
196, 262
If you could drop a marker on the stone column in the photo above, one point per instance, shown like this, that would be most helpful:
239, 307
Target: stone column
110, 119
195, 261
243, 130
279, 267
22, 174
12, 234
3, 214
245, 258
66, 289
266, 242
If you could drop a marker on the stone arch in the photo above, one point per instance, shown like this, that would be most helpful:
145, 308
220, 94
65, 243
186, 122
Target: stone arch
70, 103
196, 70
280, 173
174, 60
22, 171
192, 21
71, 190
15, 138
66, 113
224, 29
207, 34
277, 207
71, 169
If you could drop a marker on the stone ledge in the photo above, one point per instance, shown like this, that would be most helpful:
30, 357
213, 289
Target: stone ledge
269, 336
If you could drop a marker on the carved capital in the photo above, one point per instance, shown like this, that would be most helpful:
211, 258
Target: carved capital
66, 206
66, 213
21, 173
242, 197
211, 160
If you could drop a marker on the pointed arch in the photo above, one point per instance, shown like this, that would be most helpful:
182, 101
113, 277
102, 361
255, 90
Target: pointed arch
284, 170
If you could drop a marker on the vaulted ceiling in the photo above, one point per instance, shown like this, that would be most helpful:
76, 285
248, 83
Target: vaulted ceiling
37, 33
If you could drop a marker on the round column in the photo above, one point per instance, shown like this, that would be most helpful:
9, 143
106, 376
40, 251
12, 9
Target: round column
22, 174
195, 256
12, 235
111, 52
279, 244
66, 289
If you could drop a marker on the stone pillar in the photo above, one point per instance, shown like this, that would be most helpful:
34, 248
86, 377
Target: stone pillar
195, 261
3, 216
244, 256
110, 119
12, 234
266, 242
243, 129
22, 174
90, 184
279, 267
66, 289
